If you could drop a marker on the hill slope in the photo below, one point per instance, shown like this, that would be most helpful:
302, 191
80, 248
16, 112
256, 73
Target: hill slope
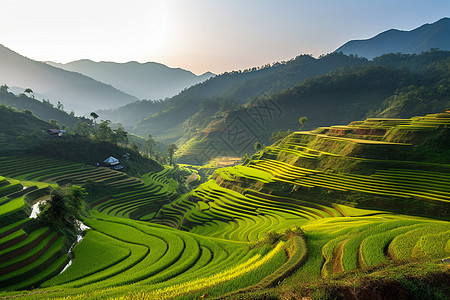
391, 86
76, 92
143, 80
237, 88
43, 110
423, 38
334, 203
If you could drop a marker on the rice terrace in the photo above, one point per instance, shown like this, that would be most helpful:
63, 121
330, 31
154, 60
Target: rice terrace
280, 216
325, 176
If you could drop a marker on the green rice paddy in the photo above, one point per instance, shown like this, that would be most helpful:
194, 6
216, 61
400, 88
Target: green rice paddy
246, 228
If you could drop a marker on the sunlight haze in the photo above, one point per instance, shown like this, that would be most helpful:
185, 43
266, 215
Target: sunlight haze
200, 35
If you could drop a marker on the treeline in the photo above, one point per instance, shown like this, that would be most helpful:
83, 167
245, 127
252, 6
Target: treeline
130, 114
431, 93
238, 88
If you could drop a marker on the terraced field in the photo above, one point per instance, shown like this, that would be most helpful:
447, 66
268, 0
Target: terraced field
289, 215
29, 254
124, 196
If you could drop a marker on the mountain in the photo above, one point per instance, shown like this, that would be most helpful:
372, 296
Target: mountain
16, 128
75, 91
144, 80
236, 88
43, 110
423, 38
129, 115
387, 87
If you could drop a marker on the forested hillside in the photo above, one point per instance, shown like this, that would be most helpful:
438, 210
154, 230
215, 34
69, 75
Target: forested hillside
237, 87
130, 114
392, 85
23, 134
44, 110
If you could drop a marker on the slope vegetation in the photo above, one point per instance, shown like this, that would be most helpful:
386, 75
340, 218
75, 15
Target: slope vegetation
43, 110
395, 86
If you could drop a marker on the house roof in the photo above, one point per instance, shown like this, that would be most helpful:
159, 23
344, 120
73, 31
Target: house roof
111, 161
53, 131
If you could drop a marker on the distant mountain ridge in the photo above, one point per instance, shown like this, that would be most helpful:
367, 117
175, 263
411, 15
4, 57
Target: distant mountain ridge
148, 80
423, 38
235, 88
75, 91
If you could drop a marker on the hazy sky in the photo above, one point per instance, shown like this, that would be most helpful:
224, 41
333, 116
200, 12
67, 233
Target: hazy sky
201, 35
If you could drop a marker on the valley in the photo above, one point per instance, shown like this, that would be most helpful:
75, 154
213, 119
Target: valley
321, 177
313, 205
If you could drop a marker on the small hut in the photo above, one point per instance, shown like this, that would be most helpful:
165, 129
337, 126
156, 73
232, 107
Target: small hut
111, 161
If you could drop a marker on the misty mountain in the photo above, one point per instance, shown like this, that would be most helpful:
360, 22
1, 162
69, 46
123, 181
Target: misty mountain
236, 88
129, 115
423, 38
144, 80
76, 92
43, 110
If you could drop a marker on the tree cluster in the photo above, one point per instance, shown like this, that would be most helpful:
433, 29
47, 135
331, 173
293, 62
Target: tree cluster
64, 210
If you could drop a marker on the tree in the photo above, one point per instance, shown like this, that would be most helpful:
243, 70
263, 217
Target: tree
29, 92
4, 88
171, 150
257, 146
302, 120
121, 135
60, 106
54, 123
94, 116
82, 128
150, 145
63, 210
104, 132
47, 102
278, 135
